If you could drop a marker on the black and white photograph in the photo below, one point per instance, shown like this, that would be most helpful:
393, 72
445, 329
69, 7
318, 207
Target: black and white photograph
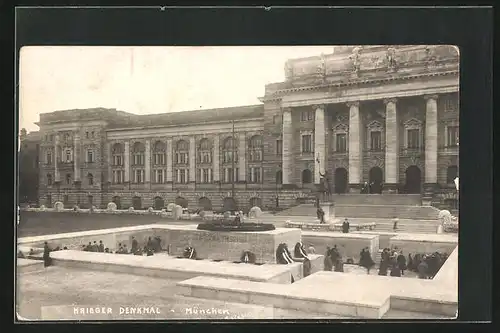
238, 182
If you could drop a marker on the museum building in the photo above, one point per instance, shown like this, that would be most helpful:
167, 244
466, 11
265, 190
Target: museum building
386, 115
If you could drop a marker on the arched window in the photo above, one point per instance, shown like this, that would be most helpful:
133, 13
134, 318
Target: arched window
204, 152
159, 150
255, 148
90, 178
451, 174
230, 150
306, 176
117, 152
68, 179
49, 179
138, 150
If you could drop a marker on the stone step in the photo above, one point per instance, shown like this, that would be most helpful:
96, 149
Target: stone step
378, 199
387, 211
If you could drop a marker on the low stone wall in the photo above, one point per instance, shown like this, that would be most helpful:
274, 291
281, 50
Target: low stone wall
429, 243
350, 245
208, 244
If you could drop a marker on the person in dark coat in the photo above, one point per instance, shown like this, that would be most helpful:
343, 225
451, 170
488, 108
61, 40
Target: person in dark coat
237, 219
46, 255
345, 226
299, 251
334, 254
395, 271
423, 269
339, 265
409, 265
135, 245
366, 260
149, 244
327, 262
401, 261
95, 247
101, 246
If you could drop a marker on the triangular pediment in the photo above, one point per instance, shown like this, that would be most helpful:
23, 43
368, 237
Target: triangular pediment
375, 125
341, 128
413, 122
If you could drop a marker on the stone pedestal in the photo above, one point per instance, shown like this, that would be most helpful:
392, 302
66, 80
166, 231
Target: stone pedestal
428, 193
329, 209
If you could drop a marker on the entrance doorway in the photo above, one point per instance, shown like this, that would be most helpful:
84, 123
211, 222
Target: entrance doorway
181, 202
413, 180
159, 203
376, 177
205, 204
255, 202
137, 203
340, 180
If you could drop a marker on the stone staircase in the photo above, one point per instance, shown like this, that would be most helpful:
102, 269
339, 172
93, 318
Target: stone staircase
378, 199
383, 225
387, 211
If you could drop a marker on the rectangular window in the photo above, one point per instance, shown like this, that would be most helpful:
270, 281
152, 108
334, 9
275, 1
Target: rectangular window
376, 140
159, 176
68, 155
310, 115
277, 119
306, 144
118, 176
183, 176
139, 176
49, 180
450, 104
413, 138
255, 175
341, 143
205, 176
279, 147
452, 136
86, 135
303, 116
49, 158
90, 156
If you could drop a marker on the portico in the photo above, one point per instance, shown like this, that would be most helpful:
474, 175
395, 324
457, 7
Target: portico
359, 100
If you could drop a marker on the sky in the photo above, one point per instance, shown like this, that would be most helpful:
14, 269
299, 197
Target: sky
147, 80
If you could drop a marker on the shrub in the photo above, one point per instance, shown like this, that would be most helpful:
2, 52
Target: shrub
111, 206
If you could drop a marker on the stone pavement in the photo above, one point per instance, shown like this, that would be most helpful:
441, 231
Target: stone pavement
57, 288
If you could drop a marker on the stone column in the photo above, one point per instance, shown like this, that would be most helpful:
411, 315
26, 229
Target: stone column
76, 156
147, 162
57, 176
170, 165
126, 161
215, 159
242, 160
287, 145
431, 148
391, 145
192, 160
355, 147
109, 161
319, 143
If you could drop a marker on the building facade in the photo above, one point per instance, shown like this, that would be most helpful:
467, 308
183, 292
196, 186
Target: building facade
28, 181
379, 114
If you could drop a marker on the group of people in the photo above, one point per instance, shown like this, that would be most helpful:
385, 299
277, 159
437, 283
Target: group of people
365, 259
95, 247
426, 265
333, 260
371, 187
393, 260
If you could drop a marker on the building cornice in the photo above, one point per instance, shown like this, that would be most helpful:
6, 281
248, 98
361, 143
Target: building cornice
277, 95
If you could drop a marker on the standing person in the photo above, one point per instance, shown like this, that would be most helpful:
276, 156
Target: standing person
345, 226
101, 246
46, 255
368, 262
395, 221
423, 268
395, 271
135, 245
327, 262
401, 261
